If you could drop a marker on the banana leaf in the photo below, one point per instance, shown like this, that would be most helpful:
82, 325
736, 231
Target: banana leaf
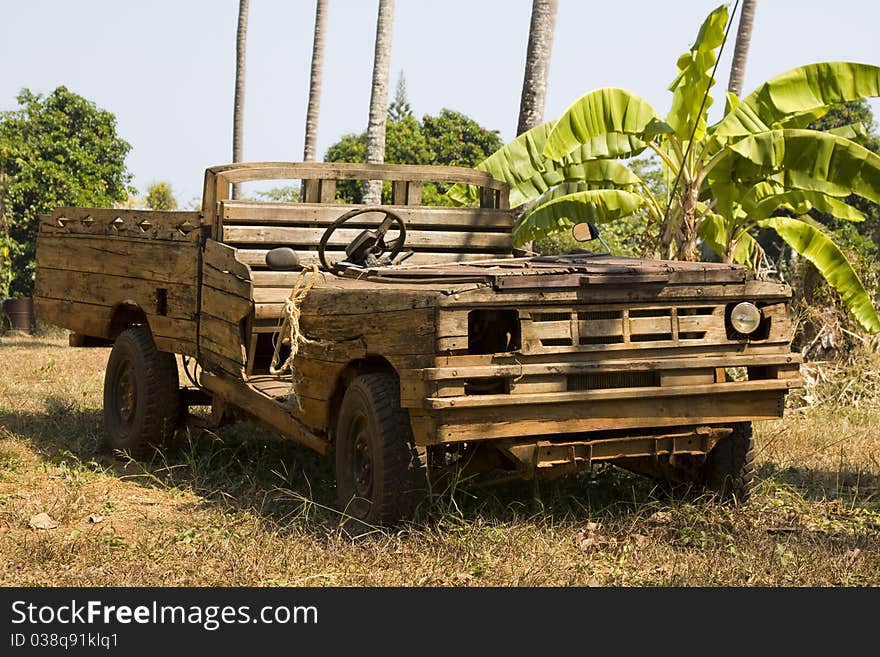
815, 246
558, 214
798, 201
597, 114
694, 78
797, 92
521, 165
801, 159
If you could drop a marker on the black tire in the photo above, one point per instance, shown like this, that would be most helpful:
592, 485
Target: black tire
141, 394
380, 475
729, 470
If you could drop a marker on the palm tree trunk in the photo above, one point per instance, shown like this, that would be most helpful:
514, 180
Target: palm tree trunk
375, 148
314, 108
534, 89
741, 51
238, 106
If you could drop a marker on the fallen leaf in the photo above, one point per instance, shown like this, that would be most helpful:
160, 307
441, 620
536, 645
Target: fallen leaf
42, 521
641, 540
96, 519
3, 530
660, 517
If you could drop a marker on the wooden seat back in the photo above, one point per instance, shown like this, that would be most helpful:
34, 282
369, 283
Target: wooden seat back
434, 234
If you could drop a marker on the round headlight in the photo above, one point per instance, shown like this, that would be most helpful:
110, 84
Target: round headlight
745, 317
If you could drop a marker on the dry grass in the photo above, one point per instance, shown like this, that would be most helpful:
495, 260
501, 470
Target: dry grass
243, 507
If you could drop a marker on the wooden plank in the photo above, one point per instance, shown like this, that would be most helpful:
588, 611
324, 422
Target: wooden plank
86, 318
257, 257
217, 363
223, 337
465, 371
163, 262
419, 217
249, 171
225, 258
343, 237
224, 305
109, 290
607, 414
481, 401
141, 224
226, 282
265, 409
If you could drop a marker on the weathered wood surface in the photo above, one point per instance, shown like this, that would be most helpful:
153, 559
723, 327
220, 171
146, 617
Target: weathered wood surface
472, 424
112, 222
420, 218
250, 171
342, 237
263, 408
82, 278
226, 307
256, 258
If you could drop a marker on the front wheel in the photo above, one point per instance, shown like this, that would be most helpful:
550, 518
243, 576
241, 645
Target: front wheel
380, 476
730, 466
141, 393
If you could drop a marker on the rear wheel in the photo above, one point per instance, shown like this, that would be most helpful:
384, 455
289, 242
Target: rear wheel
380, 475
729, 470
141, 393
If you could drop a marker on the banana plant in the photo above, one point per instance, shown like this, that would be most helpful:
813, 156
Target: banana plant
728, 179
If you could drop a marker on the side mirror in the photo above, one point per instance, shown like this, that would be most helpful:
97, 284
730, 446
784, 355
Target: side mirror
585, 231
282, 258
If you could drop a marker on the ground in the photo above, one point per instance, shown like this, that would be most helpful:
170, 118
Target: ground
243, 507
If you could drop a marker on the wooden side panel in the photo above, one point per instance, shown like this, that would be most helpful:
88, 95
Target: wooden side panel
83, 278
225, 309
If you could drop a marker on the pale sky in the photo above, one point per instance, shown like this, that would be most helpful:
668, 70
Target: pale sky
166, 68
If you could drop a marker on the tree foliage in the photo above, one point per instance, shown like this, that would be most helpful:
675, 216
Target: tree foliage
55, 150
160, 196
448, 139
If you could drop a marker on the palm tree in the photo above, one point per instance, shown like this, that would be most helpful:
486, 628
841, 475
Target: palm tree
238, 106
534, 89
741, 51
315, 81
375, 149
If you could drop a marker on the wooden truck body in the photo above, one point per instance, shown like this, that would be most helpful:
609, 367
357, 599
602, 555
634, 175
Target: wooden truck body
461, 358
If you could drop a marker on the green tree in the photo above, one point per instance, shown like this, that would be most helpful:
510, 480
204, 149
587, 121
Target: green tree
55, 150
757, 168
400, 108
449, 139
160, 196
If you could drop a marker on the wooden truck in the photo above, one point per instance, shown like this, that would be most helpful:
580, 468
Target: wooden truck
423, 346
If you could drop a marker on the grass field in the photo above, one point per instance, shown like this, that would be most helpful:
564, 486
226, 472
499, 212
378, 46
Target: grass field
243, 507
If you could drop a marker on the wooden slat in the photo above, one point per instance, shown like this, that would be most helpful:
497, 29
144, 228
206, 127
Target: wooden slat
266, 409
222, 338
496, 242
419, 217
110, 290
224, 305
140, 224
480, 401
604, 414
86, 318
163, 262
734, 359
248, 171
257, 257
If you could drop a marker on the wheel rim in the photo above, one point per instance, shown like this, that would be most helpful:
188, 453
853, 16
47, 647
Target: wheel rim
125, 393
362, 458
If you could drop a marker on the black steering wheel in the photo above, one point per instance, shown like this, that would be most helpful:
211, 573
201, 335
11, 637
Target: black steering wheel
366, 248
